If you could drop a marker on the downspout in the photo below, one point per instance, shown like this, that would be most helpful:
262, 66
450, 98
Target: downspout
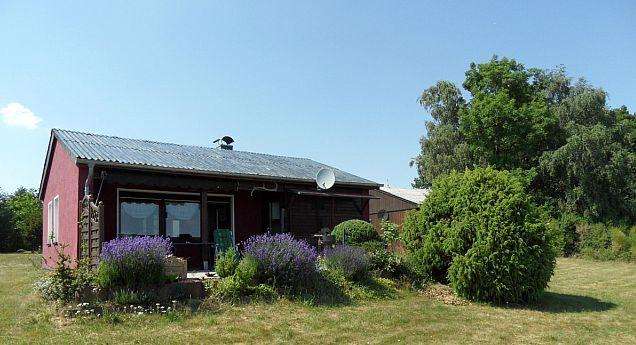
89, 180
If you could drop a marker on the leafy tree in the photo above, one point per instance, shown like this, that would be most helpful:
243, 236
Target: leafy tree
444, 149
594, 173
580, 151
7, 233
26, 211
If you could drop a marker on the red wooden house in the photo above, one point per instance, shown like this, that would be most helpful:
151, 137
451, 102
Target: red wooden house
186, 193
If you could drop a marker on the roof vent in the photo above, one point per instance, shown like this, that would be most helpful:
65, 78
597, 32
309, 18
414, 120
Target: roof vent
225, 143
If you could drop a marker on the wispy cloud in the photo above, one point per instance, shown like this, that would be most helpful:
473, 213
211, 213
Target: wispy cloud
17, 115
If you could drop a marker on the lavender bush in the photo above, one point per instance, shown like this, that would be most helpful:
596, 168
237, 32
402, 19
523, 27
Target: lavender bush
352, 262
284, 262
133, 262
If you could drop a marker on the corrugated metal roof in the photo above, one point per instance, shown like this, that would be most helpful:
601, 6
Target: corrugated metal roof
151, 154
413, 195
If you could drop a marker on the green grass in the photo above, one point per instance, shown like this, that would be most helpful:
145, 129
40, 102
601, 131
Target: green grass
588, 302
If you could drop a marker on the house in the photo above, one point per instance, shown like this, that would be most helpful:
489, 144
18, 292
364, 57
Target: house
97, 187
392, 203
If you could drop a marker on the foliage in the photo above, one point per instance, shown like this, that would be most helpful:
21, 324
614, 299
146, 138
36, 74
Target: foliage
444, 149
226, 263
483, 233
594, 173
66, 283
602, 242
20, 220
233, 289
247, 270
390, 232
125, 297
283, 261
352, 262
133, 262
581, 152
387, 264
354, 232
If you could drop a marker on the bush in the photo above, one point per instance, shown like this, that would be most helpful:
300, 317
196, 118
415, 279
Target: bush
601, 242
481, 231
66, 283
125, 297
567, 223
389, 265
355, 232
226, 263
283, 262
390, 233
133, 262
352, 262
247, 270
233, 289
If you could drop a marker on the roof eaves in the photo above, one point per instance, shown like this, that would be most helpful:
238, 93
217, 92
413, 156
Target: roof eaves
213, 173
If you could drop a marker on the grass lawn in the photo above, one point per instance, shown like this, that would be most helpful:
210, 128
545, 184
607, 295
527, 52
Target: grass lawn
588, 302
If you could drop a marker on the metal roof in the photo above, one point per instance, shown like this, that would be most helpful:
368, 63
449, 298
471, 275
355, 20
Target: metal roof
135, 153
412, 195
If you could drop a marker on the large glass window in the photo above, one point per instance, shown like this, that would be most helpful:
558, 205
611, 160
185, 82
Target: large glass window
139, 218
183, 220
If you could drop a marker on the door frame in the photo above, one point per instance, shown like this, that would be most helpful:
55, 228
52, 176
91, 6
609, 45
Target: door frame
232, 213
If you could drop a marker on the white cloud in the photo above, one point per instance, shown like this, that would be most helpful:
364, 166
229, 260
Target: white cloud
15, 114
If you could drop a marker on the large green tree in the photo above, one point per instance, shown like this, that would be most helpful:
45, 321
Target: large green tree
26, 213
580, 151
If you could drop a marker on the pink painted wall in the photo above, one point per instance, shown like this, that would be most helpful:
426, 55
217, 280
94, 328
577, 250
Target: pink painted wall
65, 179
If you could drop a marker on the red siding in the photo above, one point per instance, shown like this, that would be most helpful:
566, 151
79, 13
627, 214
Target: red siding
64, 180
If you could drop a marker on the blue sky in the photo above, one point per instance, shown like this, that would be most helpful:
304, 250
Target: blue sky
333, 81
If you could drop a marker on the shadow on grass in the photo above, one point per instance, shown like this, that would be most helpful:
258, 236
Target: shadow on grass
552, 302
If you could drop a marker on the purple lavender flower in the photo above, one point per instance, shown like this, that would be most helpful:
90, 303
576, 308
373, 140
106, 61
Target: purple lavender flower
352, 262
133, 261
283, 261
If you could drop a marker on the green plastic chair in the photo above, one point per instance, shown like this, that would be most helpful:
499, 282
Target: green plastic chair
223, 240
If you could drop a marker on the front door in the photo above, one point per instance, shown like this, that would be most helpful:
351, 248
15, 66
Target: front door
219, 224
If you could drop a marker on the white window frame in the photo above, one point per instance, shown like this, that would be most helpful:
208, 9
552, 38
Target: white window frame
53, 221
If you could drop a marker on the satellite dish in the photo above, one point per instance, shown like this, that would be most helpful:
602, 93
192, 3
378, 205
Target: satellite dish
325, 178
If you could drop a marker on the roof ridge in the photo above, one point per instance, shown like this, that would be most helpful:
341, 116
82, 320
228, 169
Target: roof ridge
169, 143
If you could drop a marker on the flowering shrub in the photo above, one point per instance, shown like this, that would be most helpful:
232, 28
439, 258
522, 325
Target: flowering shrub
352, 262
133, 261
283, 261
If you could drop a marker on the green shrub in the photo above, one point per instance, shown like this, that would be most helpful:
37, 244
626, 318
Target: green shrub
126, 297
567, 224
594, 237
67, 283
390, 232
602, 242
355, 232
389, 265
226, 263
247, 270
233, 289
481, 231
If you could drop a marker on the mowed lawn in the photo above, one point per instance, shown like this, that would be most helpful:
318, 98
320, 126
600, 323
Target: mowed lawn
588, 302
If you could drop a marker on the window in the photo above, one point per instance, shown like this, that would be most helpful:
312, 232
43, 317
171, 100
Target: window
139, 218
183, 220
53, 220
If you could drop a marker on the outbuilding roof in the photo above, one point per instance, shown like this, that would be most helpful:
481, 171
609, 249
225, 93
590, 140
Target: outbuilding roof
410, 194
144, 154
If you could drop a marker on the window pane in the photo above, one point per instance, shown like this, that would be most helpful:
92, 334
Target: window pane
139, 218
183, 219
